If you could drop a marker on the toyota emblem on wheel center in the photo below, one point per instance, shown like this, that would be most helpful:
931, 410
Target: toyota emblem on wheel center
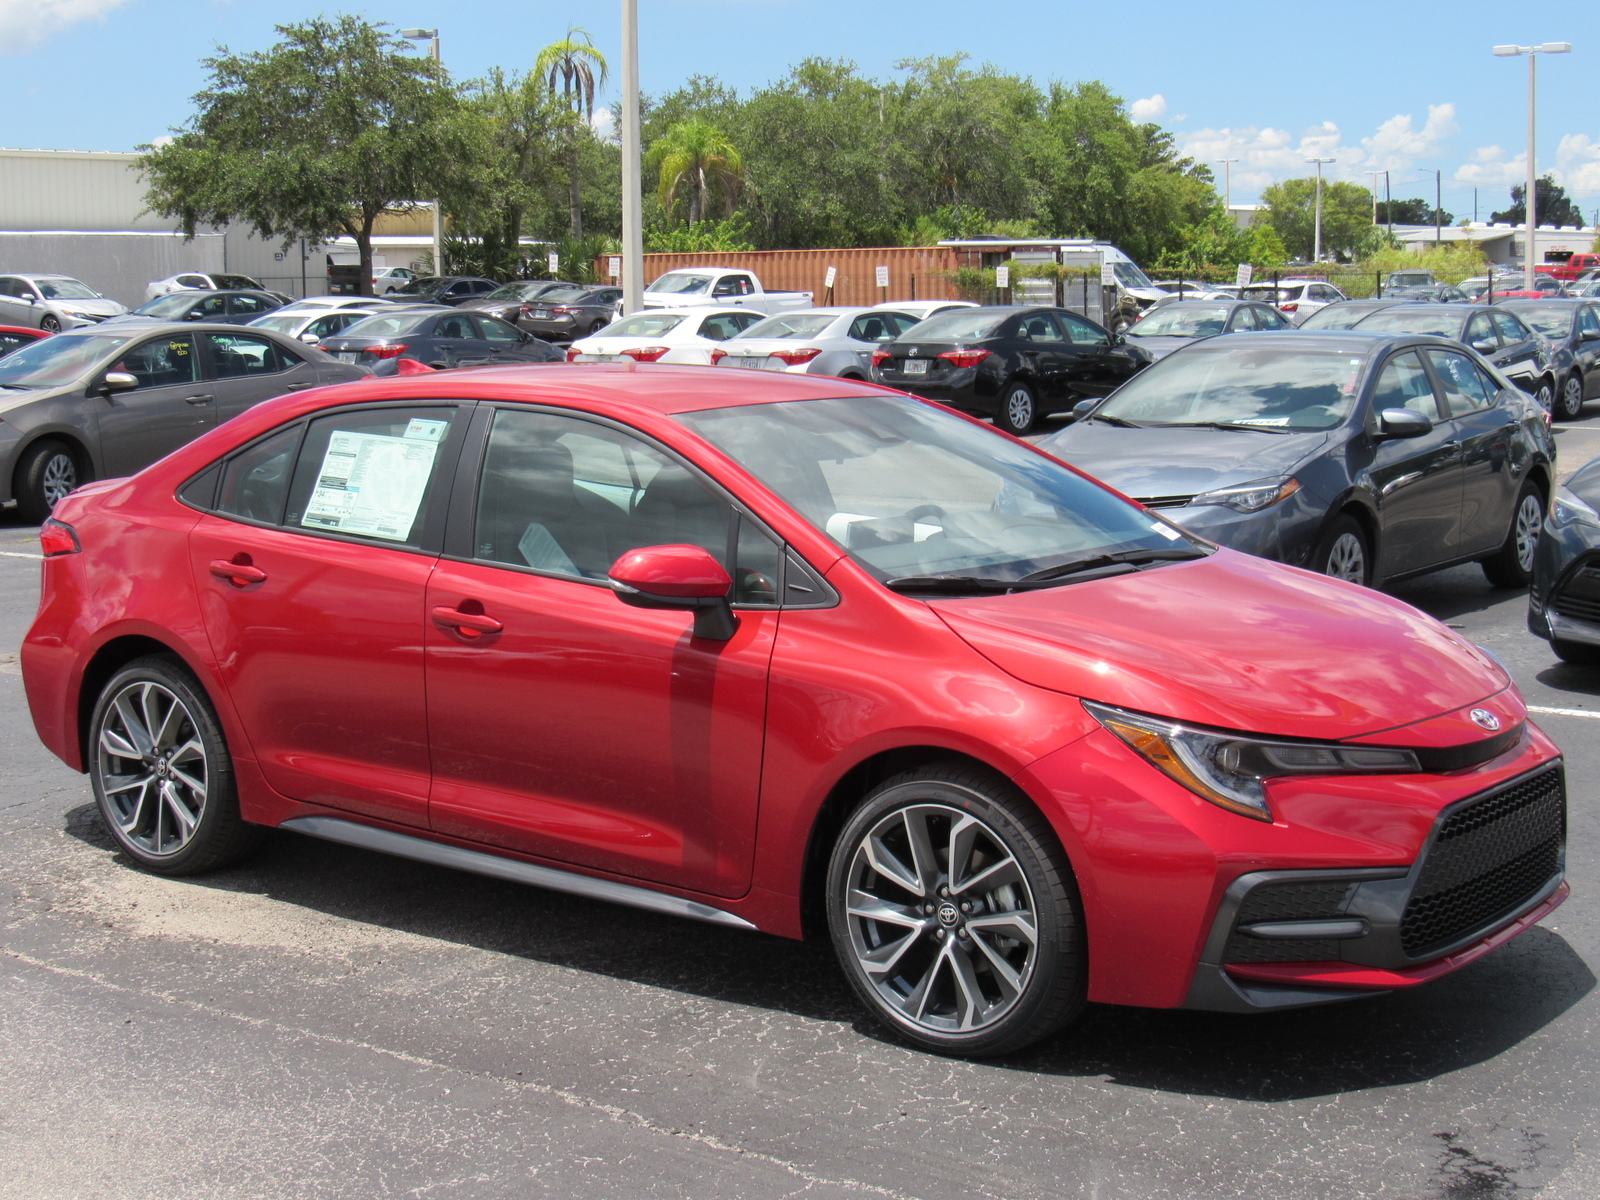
1485, 718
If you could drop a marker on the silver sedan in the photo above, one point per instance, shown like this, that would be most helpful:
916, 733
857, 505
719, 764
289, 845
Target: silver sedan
815, 341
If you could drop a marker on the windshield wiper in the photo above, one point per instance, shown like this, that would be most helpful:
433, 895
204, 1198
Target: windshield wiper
1122, 421
1098, 566
1226, 425
1123, 558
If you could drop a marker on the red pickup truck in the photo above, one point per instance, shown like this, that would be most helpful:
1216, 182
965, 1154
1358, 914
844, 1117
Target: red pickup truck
1572, 268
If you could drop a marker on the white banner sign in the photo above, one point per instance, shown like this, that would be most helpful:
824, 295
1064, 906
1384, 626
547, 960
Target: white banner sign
555, 262
616, 266
1108, 274
1242, 277
883, 276
1002, 277
832, 274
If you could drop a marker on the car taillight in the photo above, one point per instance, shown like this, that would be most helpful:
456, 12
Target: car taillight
525, 309
387, 350
717, 356
964, 358
879, 357
1291, 306
646, 353
572, 353
796, 357
57, 537
561, 310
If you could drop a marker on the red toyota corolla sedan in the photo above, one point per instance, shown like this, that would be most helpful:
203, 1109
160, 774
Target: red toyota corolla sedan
790, 653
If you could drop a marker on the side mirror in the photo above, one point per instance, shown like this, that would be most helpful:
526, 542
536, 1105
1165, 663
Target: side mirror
1118, 339
685, 577
1403, 423
1485, 347
194, 314
1590, 335
1082, 409
118, 381
309, 338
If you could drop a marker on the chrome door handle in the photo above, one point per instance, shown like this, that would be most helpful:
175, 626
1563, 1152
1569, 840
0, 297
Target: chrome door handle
295, 387
198, 399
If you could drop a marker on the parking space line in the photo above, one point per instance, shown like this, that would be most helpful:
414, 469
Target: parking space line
1563, 712
18, 554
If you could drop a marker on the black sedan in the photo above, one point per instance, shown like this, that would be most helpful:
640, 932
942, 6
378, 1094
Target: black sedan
233, 307
445, 289
1523, 355
1345, 314
1564, 602
1369, 457
1010, 364
1173, 326
566, 314
436, 338
1573, 330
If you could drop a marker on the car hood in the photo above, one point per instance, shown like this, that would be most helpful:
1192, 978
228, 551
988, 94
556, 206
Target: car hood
1235, 642
102, 307
1180, 461
1160, 347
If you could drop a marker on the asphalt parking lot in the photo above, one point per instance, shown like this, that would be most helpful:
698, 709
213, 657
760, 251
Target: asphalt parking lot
332, 1022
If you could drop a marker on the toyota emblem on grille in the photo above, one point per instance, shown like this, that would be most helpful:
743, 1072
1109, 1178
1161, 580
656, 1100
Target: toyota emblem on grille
1485, 718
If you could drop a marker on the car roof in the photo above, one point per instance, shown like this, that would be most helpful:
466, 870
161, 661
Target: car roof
1369, 341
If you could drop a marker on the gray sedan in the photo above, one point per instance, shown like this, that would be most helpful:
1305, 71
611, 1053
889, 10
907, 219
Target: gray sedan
110, 400
53, 302
816, 341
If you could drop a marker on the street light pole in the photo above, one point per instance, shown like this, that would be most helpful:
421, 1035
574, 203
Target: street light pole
1316, 254
1374, 175
1528, 198
1227, 182
432, 36
632, 203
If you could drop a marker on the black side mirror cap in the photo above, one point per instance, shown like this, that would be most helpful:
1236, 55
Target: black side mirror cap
1403, 423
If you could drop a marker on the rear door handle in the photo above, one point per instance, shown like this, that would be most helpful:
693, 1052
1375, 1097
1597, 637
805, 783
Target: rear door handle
238, 574
467, 624
198, 399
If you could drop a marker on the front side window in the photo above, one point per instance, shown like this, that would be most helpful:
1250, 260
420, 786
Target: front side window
1511, 329
914, 491
161, 362
1480, 330
1081, 332
369, 474
212, 307
1040, 328
734, 285
1464, 387
1589, 322
234, 354
1404, 384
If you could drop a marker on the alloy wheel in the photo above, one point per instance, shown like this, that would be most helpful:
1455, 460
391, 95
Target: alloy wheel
1546, 394
1530, 515
941, 919
1019, 408
50, 323
59, 478
1572, 396
152, 767
1347, 559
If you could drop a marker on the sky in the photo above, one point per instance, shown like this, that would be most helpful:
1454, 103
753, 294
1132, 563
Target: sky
1410, 88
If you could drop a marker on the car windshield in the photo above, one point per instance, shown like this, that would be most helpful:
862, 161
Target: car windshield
55, 361
1181, 322
527, 291
65, 289
1131, 276
1337, 316
644, 325
956, 325
1249, 386
1412, 320
789, 325
1554, 322
169, 305
1412, 278
684, 285
245, 283
282, 324
387, 326
912, 491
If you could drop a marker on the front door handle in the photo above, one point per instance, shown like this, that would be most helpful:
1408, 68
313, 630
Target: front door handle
295, 387
198, 399
238, 574
465, 623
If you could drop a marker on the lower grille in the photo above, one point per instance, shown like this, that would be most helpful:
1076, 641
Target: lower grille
1288, 901
1490, 857
1579, 597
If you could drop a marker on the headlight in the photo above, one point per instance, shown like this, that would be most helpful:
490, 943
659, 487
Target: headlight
1229, 769
1251, 497
1566, 509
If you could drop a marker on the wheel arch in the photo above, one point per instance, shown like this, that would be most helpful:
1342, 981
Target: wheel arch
106, 661
74, 441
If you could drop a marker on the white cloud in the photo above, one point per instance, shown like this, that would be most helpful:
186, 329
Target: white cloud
1150, 108
1578, 160
26, 23
1397, 146
603, 124
1489, 167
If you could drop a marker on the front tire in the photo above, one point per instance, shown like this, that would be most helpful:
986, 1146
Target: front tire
50, 323
48, 472
1018, 409
161, 771
1571, 405
1512, 565
955, 914
1344, 553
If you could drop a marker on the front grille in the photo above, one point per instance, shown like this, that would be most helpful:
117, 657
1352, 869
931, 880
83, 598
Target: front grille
1490, 857
1164, 501
1579, 597
1289, 901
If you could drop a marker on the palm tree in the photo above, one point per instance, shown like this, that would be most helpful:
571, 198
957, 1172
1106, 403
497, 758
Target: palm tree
697, 158
580, 69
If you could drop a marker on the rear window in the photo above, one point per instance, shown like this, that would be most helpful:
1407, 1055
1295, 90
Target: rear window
956, 325
1412, 320
386, 326
644, 325
236, 282
790, 325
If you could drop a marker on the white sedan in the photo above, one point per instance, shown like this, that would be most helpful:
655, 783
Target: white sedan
666, 335
311, 325
921, 309
200, 281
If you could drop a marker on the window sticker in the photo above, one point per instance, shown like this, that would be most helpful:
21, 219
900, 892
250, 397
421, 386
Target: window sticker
426, 431
372, 484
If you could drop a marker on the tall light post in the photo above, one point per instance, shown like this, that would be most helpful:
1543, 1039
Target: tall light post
1227, 182
1316, 254
1528, 197
632, 203
432, 35
1374, 175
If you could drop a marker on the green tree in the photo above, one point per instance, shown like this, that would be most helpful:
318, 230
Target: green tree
580, 69
1347, 228
696, 162
1410, 212
1264, 249
318, 136
1553, 206
516, 124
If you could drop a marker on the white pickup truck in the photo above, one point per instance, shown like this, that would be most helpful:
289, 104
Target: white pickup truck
689, 286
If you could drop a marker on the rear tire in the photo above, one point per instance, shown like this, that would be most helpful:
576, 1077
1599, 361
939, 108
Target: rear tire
1570, 406
1344, 553
1577, 653
1018, 409
1512, 565
48, 472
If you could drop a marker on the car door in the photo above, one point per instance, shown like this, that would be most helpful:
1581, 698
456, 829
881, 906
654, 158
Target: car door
1486, 430
247, 368
1049, 359
732, 289
1097, 367
172, 405
1519, 352
311, 565
14, 310
455, 339
1416, 481
499, 340
581, 730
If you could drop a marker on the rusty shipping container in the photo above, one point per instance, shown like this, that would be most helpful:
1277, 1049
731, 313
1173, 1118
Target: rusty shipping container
915, 272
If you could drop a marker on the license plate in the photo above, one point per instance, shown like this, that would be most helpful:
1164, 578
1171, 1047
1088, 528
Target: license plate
915, 366
540, 312
348, 356
598, 357
752, 361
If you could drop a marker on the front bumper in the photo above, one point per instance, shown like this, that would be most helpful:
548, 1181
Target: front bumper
1564, 599
1286, 532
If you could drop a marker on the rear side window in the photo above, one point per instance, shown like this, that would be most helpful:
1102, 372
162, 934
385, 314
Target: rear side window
236, 354
369, 474
1404, 384
458, 326
496, 331
722, 326
255, 482
875, 327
